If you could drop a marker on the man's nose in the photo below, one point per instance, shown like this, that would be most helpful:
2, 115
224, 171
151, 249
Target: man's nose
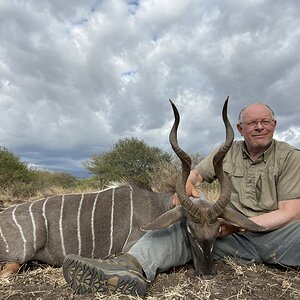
259, 125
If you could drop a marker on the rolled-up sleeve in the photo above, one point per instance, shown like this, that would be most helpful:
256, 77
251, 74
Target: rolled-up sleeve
288, 184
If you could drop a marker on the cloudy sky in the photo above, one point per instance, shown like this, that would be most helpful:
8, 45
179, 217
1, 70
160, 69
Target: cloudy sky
77, 76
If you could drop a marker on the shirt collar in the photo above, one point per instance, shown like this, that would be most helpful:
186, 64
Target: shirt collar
263, 157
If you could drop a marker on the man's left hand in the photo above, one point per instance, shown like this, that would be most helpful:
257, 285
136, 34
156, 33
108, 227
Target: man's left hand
227, 228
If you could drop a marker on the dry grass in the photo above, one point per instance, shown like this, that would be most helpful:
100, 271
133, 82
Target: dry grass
233, 281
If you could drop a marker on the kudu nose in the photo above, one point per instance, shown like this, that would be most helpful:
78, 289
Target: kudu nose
204, 275
208, 277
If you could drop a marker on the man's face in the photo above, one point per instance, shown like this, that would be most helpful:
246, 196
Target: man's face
257, 126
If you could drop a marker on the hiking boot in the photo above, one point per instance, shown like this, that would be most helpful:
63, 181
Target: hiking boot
121, 274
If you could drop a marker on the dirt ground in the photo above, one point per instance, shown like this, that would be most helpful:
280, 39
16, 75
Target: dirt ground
233, 281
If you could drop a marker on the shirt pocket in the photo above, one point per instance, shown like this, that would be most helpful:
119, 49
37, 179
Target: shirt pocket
232, 170
266, 190
236, 176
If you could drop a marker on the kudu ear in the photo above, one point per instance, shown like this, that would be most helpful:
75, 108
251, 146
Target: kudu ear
165, 220
241, 221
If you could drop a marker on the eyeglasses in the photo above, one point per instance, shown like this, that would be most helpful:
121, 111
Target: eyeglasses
255, 123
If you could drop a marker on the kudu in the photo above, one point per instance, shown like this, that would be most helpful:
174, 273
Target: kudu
90, 224
203, 217
102, 223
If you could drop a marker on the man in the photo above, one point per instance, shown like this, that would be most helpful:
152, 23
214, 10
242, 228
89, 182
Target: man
264, 175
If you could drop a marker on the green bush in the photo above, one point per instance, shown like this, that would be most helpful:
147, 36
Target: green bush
129, 159
45, 179
13, 170
18, 180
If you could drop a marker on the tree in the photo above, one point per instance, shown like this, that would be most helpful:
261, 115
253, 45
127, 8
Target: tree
20, 180
129, 159
46, 179
12, 169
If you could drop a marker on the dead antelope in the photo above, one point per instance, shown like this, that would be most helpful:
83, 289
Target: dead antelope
91, 224
203, 217
98, 224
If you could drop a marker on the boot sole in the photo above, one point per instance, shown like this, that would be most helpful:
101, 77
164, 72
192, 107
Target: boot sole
85, 278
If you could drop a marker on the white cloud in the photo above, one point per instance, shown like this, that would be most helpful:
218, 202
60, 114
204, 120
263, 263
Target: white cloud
77, 76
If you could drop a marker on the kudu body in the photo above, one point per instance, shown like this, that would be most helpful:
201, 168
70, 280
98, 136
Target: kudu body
99, 224
90, 224
203, 218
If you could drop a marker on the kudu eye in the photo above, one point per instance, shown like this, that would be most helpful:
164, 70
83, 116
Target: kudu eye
213, 221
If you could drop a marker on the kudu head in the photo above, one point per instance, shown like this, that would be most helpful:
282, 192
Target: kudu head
203, 218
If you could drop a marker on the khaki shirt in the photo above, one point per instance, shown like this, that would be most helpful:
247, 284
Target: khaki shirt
258, 185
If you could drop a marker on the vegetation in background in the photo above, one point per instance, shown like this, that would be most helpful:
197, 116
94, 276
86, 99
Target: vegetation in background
12, 170
129, 159
19, 181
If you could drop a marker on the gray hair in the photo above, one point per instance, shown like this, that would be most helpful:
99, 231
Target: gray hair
266, 105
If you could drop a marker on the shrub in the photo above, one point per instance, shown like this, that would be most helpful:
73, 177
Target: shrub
129, 159
13, 170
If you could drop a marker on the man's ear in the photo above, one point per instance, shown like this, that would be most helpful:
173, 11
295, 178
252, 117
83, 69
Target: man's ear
239, 128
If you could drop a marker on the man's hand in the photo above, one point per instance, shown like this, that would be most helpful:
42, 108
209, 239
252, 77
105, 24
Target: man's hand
190, 191
227, 228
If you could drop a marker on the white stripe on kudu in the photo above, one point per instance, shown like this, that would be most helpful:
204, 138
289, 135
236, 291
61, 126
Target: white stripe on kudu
93, 226
33, 226
5, 241
78, 224
21, 232
131, 217
112, 221
61, 232
46, 222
